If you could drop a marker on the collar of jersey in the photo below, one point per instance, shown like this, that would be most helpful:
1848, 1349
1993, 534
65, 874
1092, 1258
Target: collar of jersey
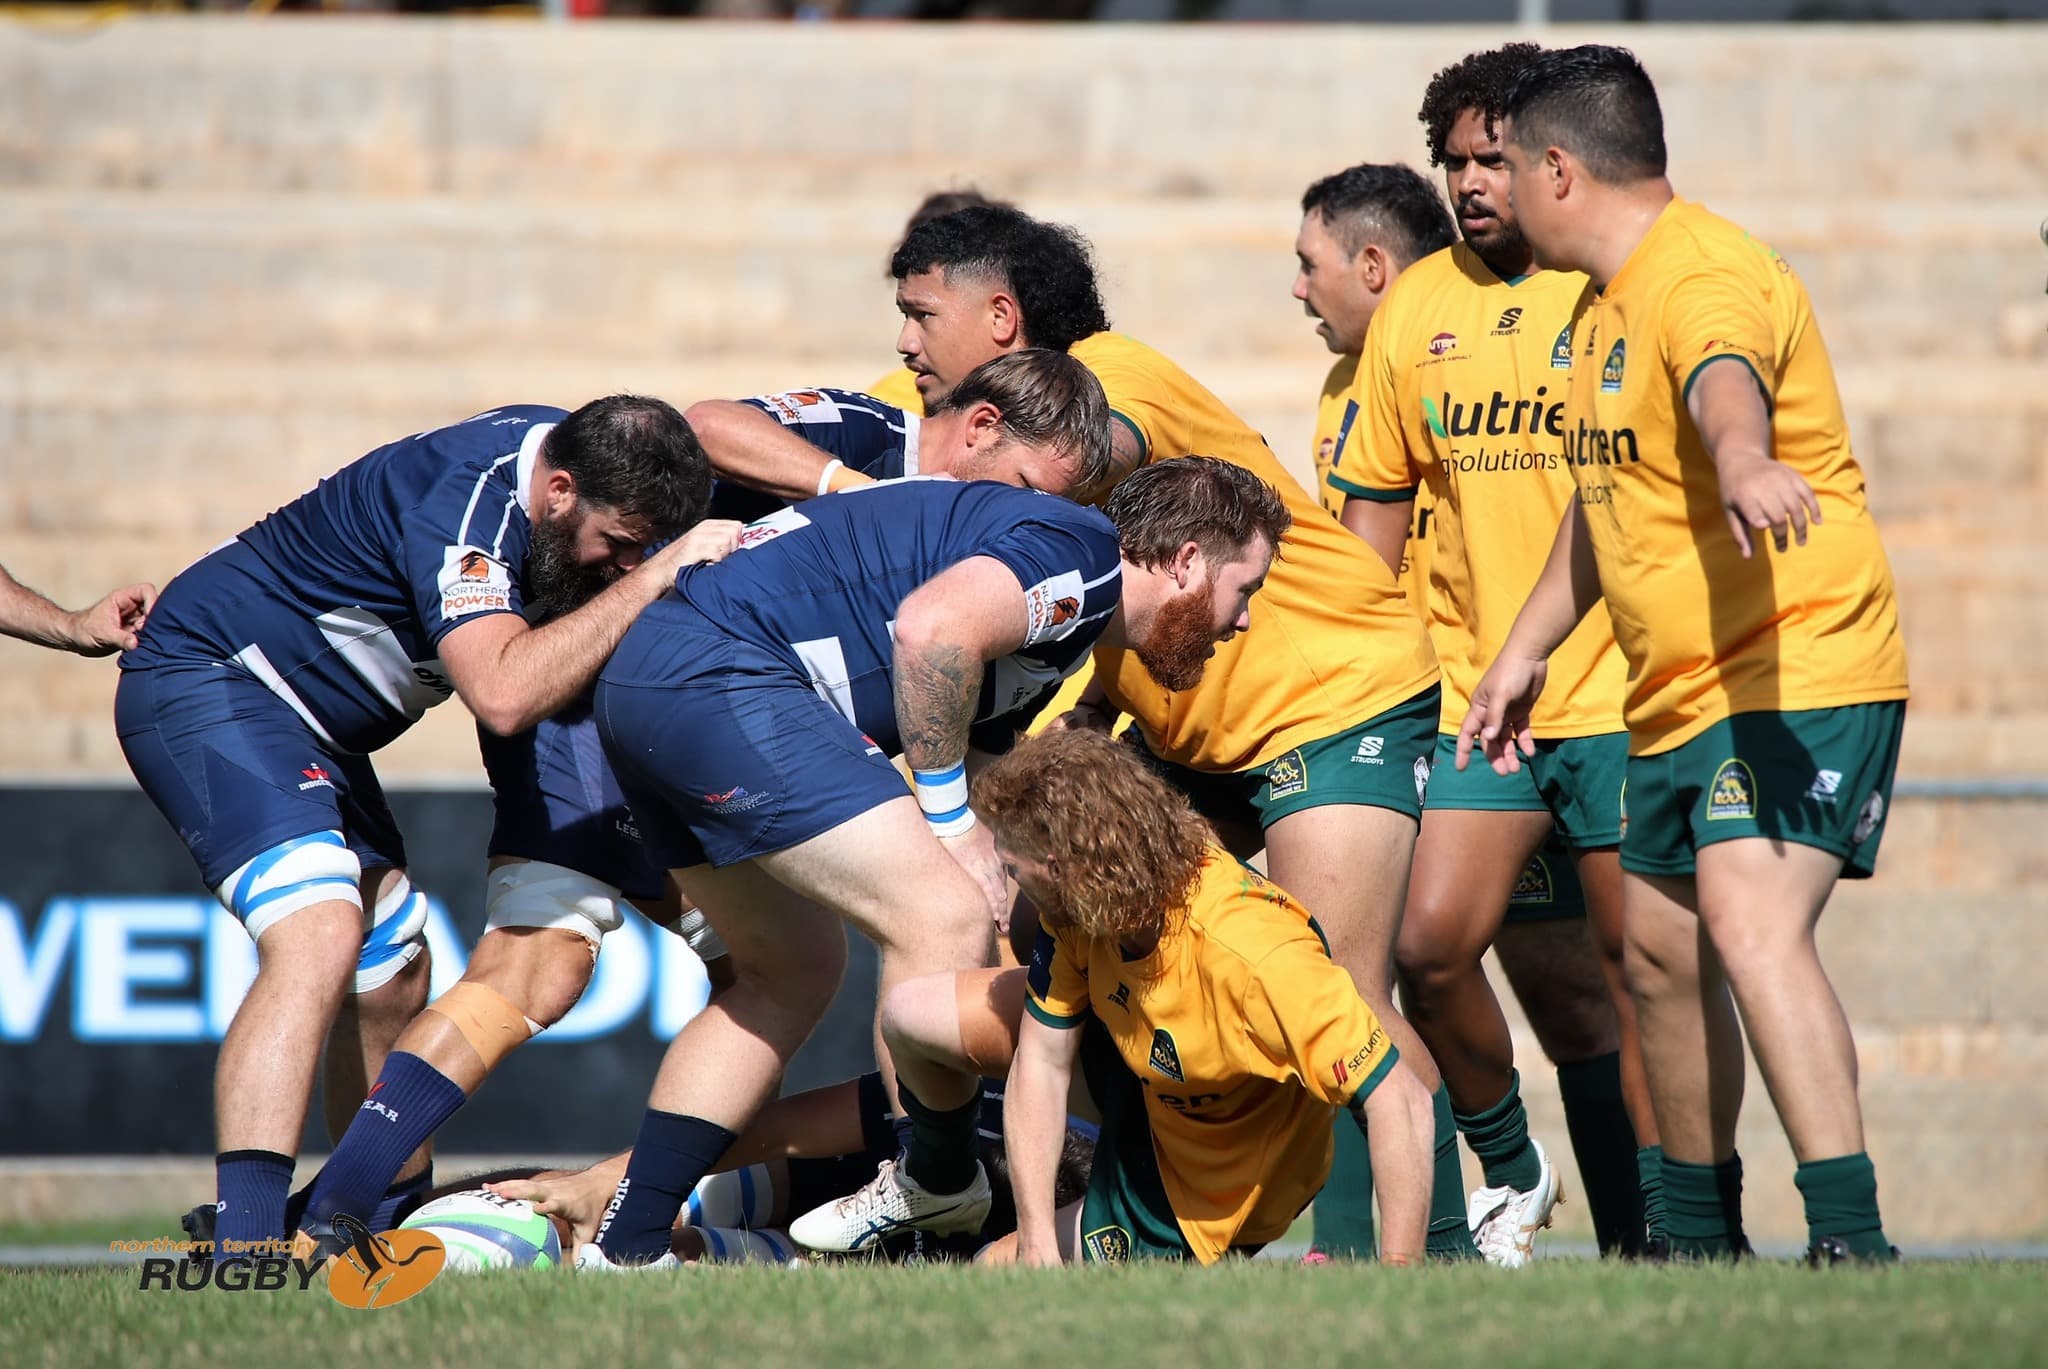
522, 469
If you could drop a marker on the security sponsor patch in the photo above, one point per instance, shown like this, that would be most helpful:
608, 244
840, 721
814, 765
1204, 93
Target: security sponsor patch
1342, 1070
473, 581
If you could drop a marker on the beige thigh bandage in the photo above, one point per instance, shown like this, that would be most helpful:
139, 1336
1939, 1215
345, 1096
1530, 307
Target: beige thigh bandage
490, 1022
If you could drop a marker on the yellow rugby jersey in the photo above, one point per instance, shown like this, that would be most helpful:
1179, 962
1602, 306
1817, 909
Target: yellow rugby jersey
1332, 641
1462, 390
899, 388
1708, 634
1244, 1035
1334, 413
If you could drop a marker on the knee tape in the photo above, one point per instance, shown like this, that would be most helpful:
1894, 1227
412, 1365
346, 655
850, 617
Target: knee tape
533, 893
723, 1245
697, 934
394, 936
737, 1198
291, 875
491, 1023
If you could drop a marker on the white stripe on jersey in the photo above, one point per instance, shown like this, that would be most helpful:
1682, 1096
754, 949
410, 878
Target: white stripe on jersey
252, 659
370, 648
913, 427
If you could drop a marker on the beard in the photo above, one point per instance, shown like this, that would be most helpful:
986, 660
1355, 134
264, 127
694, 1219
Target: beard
1181, 640
1503, 243
556, 584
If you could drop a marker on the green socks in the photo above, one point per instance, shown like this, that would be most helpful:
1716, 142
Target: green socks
1841, 1201
1343, 1210
1499, 1136
1650, 1175
1449, 1237
1703, 1209
1604, 1140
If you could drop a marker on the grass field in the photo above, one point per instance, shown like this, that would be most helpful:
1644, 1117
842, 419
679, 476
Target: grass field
1560, 1312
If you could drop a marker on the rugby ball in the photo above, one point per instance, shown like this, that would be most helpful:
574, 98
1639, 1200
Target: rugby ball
483, 1231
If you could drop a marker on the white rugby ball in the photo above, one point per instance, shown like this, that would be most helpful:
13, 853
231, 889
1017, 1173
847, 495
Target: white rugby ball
484, 1231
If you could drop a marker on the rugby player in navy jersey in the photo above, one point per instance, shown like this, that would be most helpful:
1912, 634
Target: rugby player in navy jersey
565, 852
269, 671
750, 717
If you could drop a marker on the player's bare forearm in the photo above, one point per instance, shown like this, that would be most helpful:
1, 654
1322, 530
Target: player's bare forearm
512, 676
748, 446
1400, 1128
937, 684
1733, 417
1034, 1130
1382, 526
31, 617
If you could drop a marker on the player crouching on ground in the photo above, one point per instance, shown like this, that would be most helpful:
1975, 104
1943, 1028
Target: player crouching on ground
1215, 1033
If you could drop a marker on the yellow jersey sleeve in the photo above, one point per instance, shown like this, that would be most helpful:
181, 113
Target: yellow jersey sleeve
1335, 413
898, 388
1056, 985
1373, 462
1302, 1010
1708, 316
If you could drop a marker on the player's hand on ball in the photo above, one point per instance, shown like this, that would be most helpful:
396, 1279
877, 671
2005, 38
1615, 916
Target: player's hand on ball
112, 623
1498, 721
578, 1197
975, 849
1761, 493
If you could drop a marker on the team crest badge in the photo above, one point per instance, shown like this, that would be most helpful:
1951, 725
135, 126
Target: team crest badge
1108, 1245
1288, 776
1421, 778
1165, 1059
1733, 794
1561, 350
1867, 821
1536, 887
1622, 806
1610, 374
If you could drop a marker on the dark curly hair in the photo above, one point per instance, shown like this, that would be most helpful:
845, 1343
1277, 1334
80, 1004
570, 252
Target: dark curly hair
1477, 81
1047, 266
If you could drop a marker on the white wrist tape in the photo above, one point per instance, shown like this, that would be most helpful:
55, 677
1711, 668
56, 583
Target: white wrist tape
825, 476
942, 794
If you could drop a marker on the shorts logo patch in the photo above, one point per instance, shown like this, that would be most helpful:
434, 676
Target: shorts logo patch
316, 778
1052, 608
1622, 803
1867, 822
1733, 794
1108, 1245
1610, 374
737, 799
1561, 350
1368, 752
1536, 887
873, 750
1825, 783
1165, 1059
1421, 778
1287, 776
473, 581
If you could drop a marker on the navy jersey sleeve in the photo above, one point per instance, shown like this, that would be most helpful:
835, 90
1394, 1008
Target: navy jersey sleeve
1068, 563
464, 547
867, 435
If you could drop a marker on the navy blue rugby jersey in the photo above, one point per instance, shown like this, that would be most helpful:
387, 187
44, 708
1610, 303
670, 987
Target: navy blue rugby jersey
815, 589
869, 436
338, 601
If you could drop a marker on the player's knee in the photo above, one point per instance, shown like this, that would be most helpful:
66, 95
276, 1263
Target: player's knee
912, 1010
302, 897
1573, 1026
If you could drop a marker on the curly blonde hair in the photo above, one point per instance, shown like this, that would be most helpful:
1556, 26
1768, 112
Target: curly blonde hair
1128, 845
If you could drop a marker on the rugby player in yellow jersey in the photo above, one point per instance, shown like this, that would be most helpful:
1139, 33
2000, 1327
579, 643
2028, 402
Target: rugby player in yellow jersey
1767, 677
1360, 229
1314, 741
1460, 389
1216, 1036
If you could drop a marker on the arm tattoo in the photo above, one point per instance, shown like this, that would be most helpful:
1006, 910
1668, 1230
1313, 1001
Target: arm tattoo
937, 689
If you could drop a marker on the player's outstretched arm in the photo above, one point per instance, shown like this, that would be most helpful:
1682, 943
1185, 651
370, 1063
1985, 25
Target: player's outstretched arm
1498, 721
947, 631
1035, 1129
755, 450
1757, 491
512, 675
106, 627
1399, 1123
1381, 526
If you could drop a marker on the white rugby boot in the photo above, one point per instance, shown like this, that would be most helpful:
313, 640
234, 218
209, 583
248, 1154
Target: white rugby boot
591, 1259
1504, 1221
891, 1202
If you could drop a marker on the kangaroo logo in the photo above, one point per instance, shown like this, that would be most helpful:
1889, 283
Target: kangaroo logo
383, 1270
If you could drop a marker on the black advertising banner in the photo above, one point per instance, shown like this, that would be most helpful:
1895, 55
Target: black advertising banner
119, 973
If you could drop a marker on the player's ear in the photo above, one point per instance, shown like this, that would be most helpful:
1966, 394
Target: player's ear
558, 492
1375, 272
1561, 170
984, 423
1187, 565
1005, 320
